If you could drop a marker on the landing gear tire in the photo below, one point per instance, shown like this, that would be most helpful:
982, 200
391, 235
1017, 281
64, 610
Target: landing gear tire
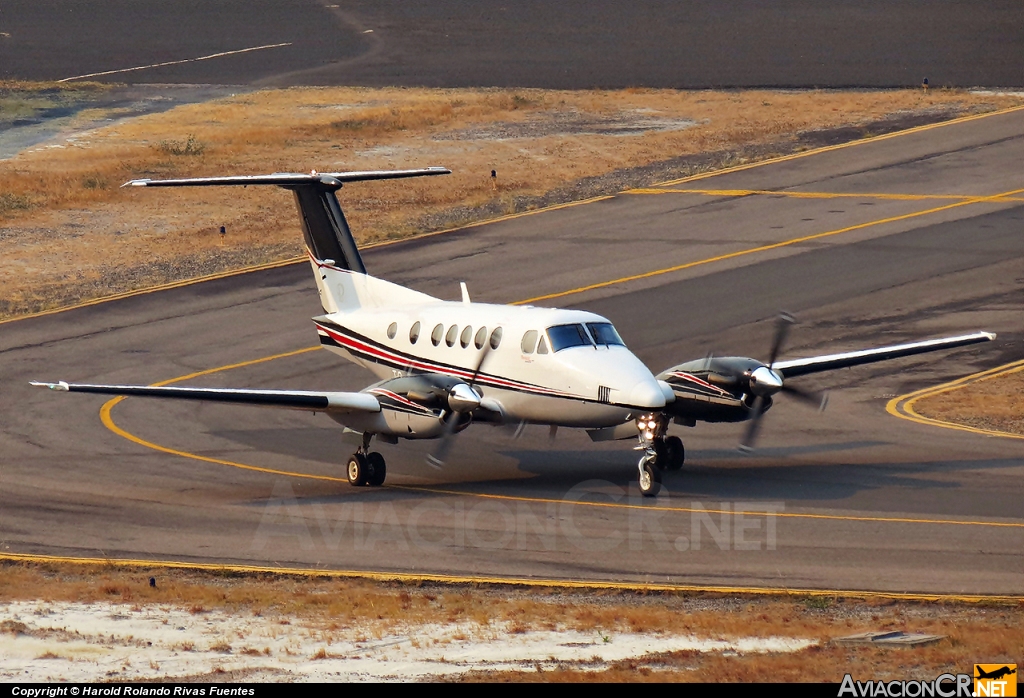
357, 470
650, 477
662, 457
675, 454
377, 469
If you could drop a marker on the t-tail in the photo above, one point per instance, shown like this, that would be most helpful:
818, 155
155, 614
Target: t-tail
341, 277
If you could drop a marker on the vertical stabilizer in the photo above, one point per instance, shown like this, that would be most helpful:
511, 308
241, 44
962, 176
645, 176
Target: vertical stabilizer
341, 277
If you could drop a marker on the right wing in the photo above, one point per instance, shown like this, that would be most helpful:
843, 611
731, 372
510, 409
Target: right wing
294, 399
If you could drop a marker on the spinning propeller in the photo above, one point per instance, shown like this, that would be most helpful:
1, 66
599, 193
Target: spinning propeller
764, 381
462, 399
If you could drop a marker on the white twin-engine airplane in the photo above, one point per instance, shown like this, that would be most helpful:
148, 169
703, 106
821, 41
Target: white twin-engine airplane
445, 364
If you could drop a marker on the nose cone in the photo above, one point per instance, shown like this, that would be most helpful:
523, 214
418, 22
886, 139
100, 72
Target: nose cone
647, 395
764, 381
462, 398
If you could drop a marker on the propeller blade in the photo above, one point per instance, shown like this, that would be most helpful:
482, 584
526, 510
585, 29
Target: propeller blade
440, 455
782, 325
757, 412
480, 363
552, 433
707, 360
817, 400
515, 429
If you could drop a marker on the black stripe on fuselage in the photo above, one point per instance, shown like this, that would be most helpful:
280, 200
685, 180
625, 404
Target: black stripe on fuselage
489, 380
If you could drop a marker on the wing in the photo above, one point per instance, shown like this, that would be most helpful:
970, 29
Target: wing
293, 399
816, 364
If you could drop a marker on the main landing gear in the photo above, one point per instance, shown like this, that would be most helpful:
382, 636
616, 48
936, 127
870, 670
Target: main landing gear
660, 452
366, 468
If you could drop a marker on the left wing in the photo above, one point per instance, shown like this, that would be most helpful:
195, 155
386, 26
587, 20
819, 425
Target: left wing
816, 364
294, 399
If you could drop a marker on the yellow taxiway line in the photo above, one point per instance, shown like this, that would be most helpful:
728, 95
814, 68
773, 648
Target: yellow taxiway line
903, 406
785, 193
554, 207
535, 582
654, 507
838, 146
773, 246
561, 583
108, 422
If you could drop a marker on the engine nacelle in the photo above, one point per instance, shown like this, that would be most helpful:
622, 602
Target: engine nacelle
416, 407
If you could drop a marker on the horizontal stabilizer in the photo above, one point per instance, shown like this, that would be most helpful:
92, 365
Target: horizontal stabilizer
816, 364
294, 399
329, 180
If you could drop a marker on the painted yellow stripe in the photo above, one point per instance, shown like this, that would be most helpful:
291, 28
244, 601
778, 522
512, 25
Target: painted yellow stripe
293, 260
903, 406
532, 582
772, 246
109, 423
817, 194
838, 146
107, 419
692, 178
161, 287
727, 512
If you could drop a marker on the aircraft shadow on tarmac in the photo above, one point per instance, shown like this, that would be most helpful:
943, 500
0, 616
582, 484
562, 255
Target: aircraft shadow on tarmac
712, 473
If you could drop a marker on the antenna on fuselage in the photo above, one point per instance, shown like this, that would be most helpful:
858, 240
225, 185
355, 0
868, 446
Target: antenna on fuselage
465, 292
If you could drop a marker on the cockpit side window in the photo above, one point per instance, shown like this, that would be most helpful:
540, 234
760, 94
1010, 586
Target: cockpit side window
529, 342
542, 348
565, 336
604, 333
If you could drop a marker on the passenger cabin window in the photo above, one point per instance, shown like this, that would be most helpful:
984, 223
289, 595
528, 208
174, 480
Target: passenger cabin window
392, 330
565, 336
481, 337
495, 338
467, 336
414, 332
529, 342
453, 333
542, 348
435, 336
604, 333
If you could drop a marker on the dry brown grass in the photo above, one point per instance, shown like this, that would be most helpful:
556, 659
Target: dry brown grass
974, 632
996, 403
68, 232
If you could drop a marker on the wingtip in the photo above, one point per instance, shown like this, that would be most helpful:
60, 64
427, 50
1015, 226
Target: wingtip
990, 335
136, 183
59, 385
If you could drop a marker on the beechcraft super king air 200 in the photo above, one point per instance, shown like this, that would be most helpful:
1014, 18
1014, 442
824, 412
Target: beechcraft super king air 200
443, 365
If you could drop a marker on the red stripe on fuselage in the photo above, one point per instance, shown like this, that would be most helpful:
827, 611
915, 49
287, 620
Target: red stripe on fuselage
355, 344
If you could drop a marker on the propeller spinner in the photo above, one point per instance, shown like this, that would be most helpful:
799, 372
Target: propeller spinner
462, 400
764, 381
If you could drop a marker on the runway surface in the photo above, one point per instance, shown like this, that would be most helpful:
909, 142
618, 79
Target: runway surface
911, 236
528, 43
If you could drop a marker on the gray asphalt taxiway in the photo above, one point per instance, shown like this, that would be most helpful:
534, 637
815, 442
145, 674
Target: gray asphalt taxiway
529, 43
910, 236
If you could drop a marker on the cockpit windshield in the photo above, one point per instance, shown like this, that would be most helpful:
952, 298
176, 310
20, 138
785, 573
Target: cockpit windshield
604, 333
565, 336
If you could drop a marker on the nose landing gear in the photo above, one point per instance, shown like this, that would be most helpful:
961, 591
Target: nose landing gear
366, 468
660, 452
